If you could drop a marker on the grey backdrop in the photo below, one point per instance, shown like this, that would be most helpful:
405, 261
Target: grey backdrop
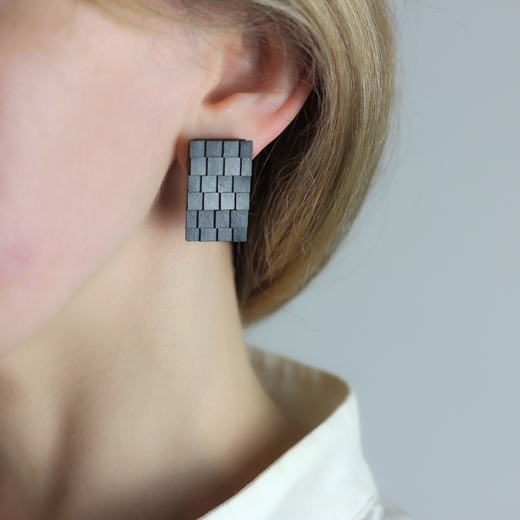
419, 311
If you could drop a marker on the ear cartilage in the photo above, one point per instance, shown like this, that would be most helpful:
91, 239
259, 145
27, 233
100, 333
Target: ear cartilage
219, 190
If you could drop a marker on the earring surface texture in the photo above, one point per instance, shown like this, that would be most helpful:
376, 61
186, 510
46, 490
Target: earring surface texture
219, 190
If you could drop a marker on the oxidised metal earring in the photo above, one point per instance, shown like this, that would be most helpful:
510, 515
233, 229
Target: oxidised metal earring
219, 190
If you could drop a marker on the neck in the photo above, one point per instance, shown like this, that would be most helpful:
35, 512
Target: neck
138, 399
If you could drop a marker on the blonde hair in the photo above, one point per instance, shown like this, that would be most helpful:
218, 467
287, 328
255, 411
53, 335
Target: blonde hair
309, 183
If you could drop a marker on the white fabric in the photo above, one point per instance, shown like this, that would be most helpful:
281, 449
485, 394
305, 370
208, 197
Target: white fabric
324, 476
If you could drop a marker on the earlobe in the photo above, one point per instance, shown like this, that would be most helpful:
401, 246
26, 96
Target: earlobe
259, 92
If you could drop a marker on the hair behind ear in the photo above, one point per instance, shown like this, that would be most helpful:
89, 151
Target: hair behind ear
311, 181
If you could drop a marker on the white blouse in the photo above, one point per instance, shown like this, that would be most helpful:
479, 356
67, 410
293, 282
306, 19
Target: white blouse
322, 477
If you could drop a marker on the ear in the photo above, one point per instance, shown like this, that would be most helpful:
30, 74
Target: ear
256, 91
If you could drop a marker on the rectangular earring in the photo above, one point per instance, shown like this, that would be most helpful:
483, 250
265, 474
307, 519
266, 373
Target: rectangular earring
219, 190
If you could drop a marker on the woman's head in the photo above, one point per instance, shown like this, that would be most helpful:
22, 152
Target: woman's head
93, 112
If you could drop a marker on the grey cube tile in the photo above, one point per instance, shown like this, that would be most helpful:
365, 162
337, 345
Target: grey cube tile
191, 219
225, 235
208, 235
198, 166
215, 166
225, 184
246, 149
194, 183
238, 219
242, 184
240, 235
194, 200
247, 168
197, 148
206, 219
231, 148
232, 166
213, 148
209, 184
222, 219
242, 201
227, 201
192, 235
211, 201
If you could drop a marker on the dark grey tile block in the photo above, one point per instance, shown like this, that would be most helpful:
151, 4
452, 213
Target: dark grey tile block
197, 148
209, 184
246, 149
194, 200
241, 184
222, 219
240, 235
242, 200
208, 235
247, 168
215, 166
225, 184
206, 219
227, 201
231, 148
211, 201
191, 219
238, 219
232, 166
213, 148
194, 183
225, 235
198, 166
192, 235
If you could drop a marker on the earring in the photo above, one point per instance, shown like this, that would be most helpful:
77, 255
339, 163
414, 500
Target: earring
219, 189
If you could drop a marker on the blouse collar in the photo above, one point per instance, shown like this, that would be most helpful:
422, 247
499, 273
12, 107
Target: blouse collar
324, 475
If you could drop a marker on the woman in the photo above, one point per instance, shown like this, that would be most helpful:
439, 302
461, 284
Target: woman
126, 389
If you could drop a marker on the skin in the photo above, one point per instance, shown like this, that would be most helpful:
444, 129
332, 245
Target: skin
125, 387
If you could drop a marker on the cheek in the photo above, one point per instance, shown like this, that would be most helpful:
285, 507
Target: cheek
79, 169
